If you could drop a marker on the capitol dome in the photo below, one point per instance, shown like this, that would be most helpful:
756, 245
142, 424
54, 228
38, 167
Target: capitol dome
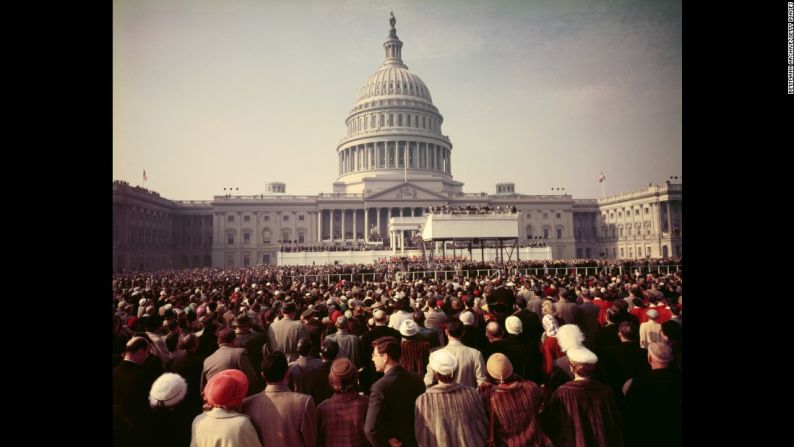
394, 131
394, 80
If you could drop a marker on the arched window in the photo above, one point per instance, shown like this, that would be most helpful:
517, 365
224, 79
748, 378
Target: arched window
529, 232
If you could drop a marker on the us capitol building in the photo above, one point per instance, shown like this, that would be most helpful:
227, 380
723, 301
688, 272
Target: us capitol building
394, 161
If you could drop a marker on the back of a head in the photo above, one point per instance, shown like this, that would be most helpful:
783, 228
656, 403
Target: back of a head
274, 366
672, 330
582, 360
343, 376
419, 317
226, 335
329, 350
493, 329
136, 343
455, 328
304, 346
189, 342
628, 330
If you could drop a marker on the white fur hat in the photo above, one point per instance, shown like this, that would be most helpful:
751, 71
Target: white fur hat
569, 336
580, 354
168, 390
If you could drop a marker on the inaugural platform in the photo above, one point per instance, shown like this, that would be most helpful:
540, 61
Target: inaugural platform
441, 227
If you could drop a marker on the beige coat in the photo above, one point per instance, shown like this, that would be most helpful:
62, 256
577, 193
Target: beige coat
223, 428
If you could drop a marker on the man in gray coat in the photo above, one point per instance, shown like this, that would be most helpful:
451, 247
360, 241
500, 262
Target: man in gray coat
281, 417
283, 335
228, 357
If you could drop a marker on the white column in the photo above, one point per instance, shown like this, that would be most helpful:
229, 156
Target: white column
331, 222
355, 237
366, 225
256, 235
294, 221
319, 225
343, 224
391, 242
377, 219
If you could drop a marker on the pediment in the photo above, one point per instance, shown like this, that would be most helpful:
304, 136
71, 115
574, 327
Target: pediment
406, 191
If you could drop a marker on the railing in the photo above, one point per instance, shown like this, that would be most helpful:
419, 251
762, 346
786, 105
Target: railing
339, 195
265, 197
490, 273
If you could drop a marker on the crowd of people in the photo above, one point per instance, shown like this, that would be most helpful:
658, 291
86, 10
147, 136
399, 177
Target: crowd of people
468, 209
278, 356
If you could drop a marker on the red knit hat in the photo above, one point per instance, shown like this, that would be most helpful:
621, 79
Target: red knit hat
226, 389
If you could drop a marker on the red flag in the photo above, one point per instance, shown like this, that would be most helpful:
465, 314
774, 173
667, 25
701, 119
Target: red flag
144, 175
602, 178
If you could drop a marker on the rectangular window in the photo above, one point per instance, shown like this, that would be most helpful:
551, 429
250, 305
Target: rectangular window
285, 236
246, 238
301, 218
229, 218
285, 218
246, 260
246, 218
265, 259
400, 119
267, 218
301, 237
559, 233
230, 239
558, 215
545, 233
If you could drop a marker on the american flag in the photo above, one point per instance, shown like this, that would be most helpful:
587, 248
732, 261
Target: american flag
602, 178
144, 176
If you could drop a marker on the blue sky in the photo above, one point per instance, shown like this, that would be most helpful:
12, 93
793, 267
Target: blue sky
214, 94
